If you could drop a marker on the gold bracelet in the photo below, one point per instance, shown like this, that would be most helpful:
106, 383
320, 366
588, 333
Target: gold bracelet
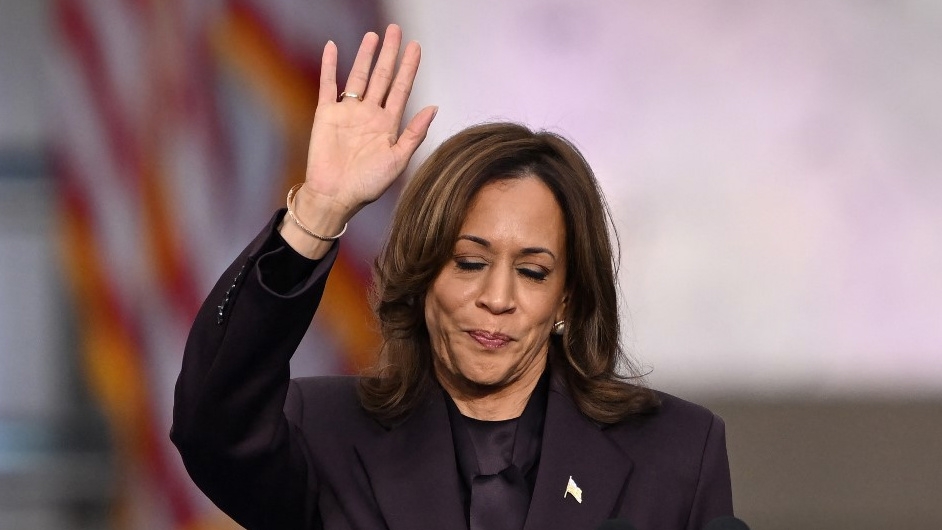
307, 230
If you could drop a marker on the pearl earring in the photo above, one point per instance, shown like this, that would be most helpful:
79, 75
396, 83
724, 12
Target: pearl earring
559, 327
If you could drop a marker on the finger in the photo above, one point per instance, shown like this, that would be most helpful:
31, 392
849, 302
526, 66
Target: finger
328, 81
360, 73
413, 135
402, 85
385, 66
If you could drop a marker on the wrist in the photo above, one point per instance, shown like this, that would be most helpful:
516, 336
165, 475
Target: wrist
313, 222
321, 212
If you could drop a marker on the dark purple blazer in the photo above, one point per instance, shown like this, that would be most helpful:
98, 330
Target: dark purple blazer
279, 453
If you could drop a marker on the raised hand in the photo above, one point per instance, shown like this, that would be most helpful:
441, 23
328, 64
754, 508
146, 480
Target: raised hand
357, 149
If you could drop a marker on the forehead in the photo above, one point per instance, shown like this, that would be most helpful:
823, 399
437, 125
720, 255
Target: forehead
518, 211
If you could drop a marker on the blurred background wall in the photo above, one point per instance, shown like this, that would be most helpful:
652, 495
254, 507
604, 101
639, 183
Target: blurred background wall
773, 170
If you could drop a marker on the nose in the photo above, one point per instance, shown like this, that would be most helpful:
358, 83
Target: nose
496, 293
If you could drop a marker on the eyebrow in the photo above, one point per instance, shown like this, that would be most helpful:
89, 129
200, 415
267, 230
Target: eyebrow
527, 250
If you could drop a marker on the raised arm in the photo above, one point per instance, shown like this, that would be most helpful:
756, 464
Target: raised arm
229, 419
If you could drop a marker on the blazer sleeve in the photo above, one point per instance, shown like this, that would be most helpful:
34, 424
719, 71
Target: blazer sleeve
713, 497
228, 420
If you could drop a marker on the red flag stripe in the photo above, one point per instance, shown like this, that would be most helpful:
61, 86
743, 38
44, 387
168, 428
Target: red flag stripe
131, 412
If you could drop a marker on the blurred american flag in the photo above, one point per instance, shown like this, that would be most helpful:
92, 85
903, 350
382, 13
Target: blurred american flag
179, 125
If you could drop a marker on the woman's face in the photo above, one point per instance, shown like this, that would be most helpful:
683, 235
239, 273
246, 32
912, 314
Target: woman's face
491, 309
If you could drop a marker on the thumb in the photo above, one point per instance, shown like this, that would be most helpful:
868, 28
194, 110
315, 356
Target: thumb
413, 135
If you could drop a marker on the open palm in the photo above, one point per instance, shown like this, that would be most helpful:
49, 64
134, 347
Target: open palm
356, 148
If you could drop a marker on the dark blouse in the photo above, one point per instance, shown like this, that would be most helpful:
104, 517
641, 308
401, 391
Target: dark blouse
498, 462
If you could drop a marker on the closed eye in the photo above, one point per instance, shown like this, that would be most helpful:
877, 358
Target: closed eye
538, 275
470, 265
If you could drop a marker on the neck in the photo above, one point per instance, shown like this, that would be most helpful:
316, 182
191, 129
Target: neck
493, 403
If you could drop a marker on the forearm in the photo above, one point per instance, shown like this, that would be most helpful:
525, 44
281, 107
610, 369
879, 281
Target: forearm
228, 420
245, 333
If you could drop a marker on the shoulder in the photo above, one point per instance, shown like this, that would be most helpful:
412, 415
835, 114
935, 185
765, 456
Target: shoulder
677, 415
326, 400
678, 455
331, 388
677, 430
331, 392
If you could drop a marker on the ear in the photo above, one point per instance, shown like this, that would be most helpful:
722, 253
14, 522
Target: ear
561, 310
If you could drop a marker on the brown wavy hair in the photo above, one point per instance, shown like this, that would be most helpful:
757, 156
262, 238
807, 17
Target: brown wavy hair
425, 226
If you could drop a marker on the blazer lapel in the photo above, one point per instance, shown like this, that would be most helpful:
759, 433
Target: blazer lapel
413, 471
577, 448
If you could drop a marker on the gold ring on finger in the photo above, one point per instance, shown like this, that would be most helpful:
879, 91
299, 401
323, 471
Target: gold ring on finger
351, 95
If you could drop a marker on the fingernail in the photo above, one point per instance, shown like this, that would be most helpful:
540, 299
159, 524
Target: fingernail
435, 112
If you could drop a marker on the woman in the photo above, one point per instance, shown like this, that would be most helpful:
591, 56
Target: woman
496, 403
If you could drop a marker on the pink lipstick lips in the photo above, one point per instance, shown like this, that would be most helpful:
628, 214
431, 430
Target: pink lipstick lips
489, 340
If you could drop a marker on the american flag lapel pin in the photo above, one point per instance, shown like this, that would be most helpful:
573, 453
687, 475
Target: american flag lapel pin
573, 489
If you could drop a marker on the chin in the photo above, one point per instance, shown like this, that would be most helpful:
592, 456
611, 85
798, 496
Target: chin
483, 382
489, 377
478, 372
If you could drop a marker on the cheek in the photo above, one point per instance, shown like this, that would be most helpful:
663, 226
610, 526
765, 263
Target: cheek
432, 312
445, 299
438, 321
437, 310
545, 307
